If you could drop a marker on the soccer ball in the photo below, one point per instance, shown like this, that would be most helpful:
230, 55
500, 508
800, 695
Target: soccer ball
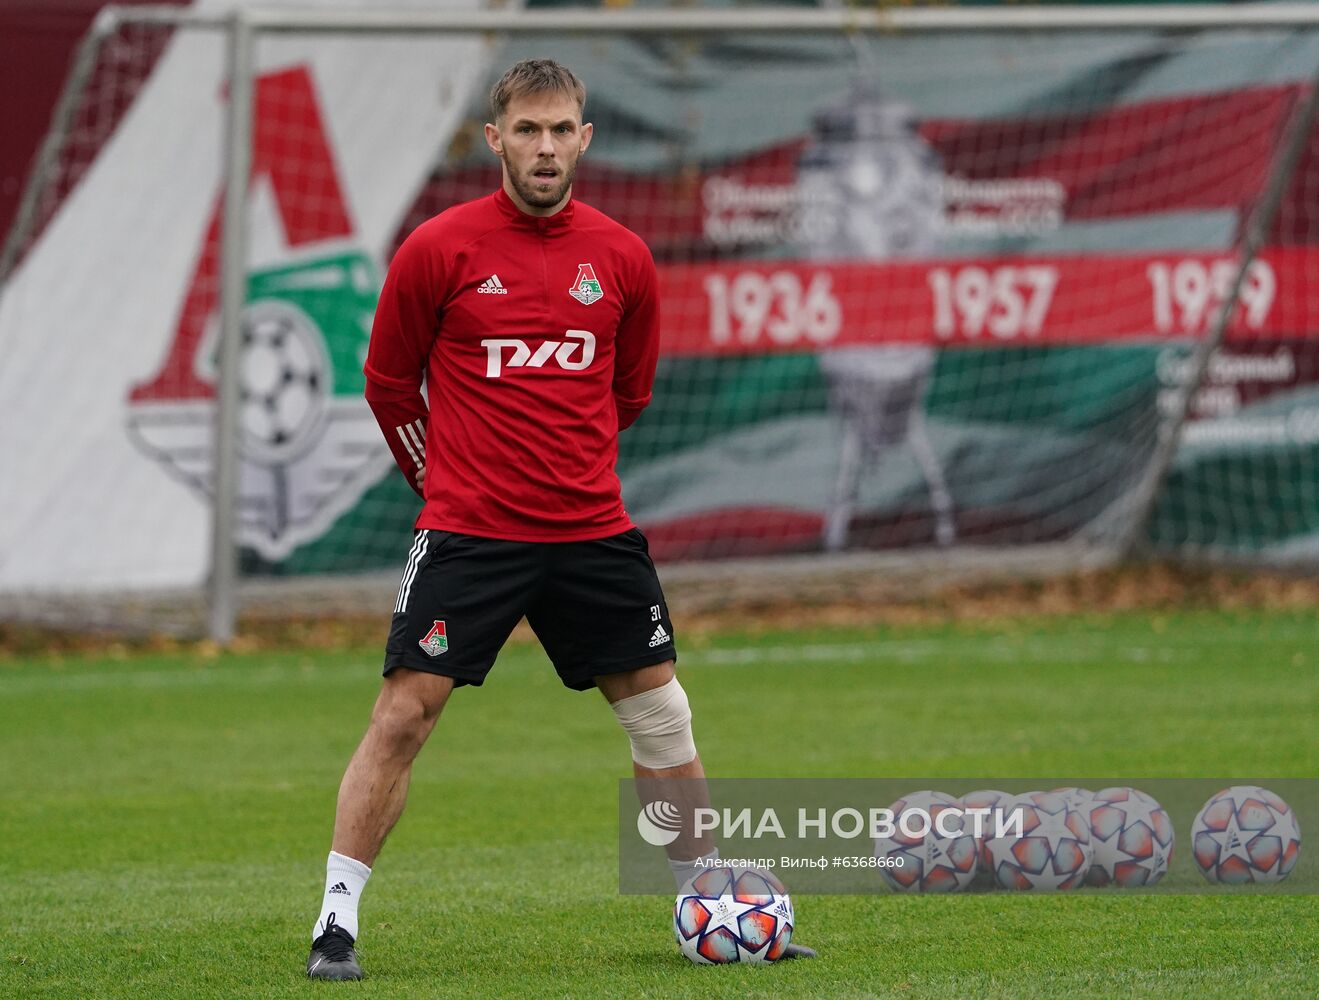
925, 859
1246, 834
1053, 851
985, 798
283, 382
728, 915
1132, 838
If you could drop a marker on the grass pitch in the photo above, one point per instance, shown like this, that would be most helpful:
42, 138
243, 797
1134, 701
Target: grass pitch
164, 818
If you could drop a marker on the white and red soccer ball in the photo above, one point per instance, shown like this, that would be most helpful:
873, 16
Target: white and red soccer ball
932, 848
1132, 837
729, 914
1245, 834
1052, 851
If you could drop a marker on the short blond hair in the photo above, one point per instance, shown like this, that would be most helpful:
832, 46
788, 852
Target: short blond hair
535, 76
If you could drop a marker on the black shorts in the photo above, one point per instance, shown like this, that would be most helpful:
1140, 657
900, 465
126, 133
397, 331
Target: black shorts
596, 606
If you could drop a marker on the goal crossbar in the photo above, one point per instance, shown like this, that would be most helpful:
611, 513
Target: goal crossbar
766, 20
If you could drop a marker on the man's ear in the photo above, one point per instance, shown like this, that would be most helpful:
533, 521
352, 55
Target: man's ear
587, 131
493, 140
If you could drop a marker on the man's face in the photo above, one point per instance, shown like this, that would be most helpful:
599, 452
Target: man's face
539, 138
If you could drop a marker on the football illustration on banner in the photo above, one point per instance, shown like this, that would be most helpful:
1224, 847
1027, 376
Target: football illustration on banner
308, 444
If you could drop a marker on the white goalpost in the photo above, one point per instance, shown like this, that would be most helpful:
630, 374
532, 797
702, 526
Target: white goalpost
947, 292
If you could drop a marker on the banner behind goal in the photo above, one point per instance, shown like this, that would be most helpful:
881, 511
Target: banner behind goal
922, 288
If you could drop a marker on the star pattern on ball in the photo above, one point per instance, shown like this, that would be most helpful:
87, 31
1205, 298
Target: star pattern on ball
1284, 827
1108, 853
1000, 850
937, 852
1053, 828
1230, 842
725, 912
1080, 799
1141, 808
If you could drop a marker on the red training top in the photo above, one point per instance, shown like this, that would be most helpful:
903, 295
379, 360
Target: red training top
538, 338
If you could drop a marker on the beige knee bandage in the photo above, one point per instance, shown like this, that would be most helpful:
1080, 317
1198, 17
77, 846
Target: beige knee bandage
659, 724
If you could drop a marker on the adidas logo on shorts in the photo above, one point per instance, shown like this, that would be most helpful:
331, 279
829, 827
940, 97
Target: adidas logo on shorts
659, 638
492, 286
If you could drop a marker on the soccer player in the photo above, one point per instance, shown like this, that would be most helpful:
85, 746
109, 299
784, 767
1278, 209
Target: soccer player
533, 320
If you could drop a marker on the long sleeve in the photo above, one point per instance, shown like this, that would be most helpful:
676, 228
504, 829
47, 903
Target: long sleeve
636, 350
403, 422
404, 330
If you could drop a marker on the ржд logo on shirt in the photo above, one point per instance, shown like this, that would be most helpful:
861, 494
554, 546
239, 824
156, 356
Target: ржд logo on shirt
522, 357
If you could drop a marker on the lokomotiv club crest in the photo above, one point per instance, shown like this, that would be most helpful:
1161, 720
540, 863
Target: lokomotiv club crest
308, 445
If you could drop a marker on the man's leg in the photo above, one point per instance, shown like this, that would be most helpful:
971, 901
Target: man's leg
371, 799
682, 783
660, 730
375, 785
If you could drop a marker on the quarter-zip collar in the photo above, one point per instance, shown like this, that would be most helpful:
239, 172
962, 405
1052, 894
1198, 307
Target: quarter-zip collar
560, 221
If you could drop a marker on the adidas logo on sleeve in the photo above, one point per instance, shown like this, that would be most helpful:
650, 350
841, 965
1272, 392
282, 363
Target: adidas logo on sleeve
492, 286
659, 638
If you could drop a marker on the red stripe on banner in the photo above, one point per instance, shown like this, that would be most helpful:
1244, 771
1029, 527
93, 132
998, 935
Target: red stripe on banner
734, 531
1195, 152
758, 308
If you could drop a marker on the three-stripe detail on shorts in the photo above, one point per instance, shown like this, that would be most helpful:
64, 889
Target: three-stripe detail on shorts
415, 559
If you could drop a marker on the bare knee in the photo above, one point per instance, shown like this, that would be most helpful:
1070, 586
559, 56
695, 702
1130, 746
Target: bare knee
410, 702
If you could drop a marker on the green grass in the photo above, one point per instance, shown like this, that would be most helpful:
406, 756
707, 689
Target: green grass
164, 819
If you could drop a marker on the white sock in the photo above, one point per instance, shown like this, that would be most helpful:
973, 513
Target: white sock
345, 879
683, 871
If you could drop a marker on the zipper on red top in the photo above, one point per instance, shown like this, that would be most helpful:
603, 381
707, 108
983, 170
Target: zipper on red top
543, 225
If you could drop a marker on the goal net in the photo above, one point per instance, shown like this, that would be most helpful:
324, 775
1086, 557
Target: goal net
923, 289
